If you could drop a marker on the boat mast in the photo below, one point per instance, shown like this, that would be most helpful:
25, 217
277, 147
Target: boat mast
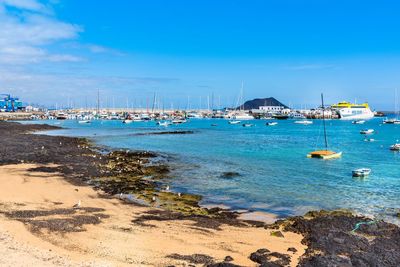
323, 121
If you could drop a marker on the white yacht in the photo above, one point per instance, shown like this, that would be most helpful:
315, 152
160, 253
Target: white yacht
242, 116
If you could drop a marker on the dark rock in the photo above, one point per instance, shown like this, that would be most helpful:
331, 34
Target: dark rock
331, 235
228, 258
228, 175
270, 264
294, 250
223, 264
166, 132
259, 257
264, 256
263, 250
194, 258
282, 259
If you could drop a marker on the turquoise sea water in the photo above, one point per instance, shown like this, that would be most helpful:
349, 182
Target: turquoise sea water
275, 174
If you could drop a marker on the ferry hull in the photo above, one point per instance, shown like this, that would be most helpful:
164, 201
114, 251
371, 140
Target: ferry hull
355, 114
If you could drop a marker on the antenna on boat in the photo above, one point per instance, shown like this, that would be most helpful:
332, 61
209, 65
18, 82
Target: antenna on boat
323, 120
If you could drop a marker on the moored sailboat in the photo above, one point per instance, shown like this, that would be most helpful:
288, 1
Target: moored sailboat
324, 154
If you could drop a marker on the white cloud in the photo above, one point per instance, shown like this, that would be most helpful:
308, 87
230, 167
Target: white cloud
24, 36
31, 5
64, 58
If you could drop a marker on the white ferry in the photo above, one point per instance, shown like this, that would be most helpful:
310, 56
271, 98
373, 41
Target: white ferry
349, 111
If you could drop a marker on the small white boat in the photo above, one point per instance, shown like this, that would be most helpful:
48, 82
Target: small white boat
84, 121
358, 122
304, 122
361, 172
391, 121
234, 122
127, 121
367, 131
247, 125
179, 121
164, 123
369, 140
395, 147
272, 123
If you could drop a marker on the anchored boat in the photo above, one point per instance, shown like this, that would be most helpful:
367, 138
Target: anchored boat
272, 123
361, 172
324, 154
367, 131
395, 147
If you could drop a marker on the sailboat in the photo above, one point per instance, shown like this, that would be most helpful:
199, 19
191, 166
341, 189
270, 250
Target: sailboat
395, 120
324, 154
241, 114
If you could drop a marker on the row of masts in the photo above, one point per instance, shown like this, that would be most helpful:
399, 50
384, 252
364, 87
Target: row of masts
157, 104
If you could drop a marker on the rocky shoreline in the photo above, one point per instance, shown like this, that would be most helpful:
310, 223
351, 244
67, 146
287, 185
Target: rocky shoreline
336, 238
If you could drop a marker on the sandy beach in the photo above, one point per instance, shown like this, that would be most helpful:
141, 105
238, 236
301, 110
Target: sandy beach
101, 232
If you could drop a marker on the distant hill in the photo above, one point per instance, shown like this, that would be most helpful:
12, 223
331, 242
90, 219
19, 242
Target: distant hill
255, 103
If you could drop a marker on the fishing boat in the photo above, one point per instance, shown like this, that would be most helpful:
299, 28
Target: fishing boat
324, 154
395, 147
367, 131
234, 122
304, 122
248, 125
83, 121
272, 123
127, 121
362, 172
358, 122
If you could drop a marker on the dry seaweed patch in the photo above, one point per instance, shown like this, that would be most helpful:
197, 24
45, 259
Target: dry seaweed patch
213, 220
58, 220
195, 258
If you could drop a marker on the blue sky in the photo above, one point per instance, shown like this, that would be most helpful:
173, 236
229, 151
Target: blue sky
62, 51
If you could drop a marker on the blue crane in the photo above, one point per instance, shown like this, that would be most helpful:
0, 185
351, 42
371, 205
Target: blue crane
10, 104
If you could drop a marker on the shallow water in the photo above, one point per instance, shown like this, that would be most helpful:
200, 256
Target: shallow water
275, 174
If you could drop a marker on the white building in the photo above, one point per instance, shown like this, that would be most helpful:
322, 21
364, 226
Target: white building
271, 109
